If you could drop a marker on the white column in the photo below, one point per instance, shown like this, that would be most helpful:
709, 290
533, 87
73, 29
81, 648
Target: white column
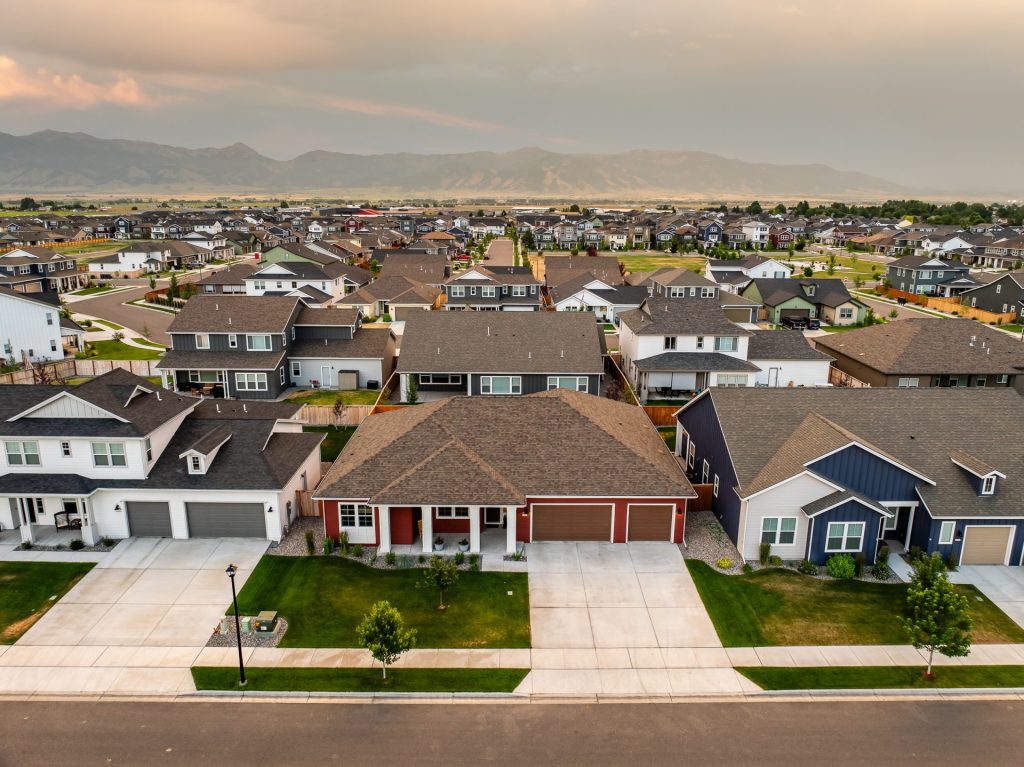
474, 529
90, 535
427, 515
403, 386
510, 529
384, 523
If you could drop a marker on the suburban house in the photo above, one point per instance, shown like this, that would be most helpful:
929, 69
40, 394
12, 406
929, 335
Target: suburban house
493, 289
818, 472
600, 473
117, 457
927, 351
37, 270
587, 293
827, 300
32, 330
560, 269
396, 297
927, 275
320, 284
735, 274
1004, 293
517, 353
332, 350
231, 279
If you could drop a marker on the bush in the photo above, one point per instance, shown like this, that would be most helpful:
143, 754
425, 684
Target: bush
951, 562
881, 570
915, 554
389, 558
459, 558
25, 545
841, 566
747, 568
421, 559
858, 564
775, 560
77, 545
108, 542
328, 545
373, 557
724, 563
310, 542
807, 567
343, 542
882, 556
357, 551
474, 559
764, 551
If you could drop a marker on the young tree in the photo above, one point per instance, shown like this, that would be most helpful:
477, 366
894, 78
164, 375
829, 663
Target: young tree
172, 287
152, 282
412, 394
442, 574
939, 618
382, 632
808, 271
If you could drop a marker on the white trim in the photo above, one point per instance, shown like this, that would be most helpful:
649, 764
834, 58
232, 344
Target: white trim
993, 473
866, 449
806, 473
1009, 542
629, 507
60, 395
952, 532
845, 549
866, 505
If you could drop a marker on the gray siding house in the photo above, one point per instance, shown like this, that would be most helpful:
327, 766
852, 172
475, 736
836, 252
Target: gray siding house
925, 275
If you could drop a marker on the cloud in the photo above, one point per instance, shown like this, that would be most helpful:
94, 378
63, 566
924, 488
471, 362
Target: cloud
60, 91
378, 109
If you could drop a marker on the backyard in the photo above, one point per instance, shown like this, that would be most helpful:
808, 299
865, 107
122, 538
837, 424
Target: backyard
29, 589
324, 598
118, 350
781, 607
334, 442
329, 397
646, 262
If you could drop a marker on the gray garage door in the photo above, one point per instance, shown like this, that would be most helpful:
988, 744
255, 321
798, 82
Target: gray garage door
149, 518
226, 520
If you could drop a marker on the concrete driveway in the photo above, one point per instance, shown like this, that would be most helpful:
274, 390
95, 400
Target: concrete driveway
1003, 585
149, 592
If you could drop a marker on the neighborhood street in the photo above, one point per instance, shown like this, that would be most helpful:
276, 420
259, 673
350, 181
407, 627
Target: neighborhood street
500, 252
771, 733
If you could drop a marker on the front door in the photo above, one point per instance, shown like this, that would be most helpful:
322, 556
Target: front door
325, 377
493, 516
773, 376
28, 508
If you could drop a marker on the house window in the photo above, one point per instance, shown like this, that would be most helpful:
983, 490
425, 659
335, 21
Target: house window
988, 486
452, 512
296, 368
259, 285
441, 378
519, 290
205, 376
676, 292
501, 385
778, 531
846, 313
280, 374
53, 345
726, 343
22, 453
65, 449
456, 291
195, 464
705, 469
707, 292
670, 343
108, 454
202, 341
714, 489
1002, 378
149, 449
576, 383
844, 537
909, 383
258, 343
946, 531
691, 452
487, 292
693, 292
472, 290
232, 341
49, 318
251, 381
726, 379
980, 382
355, 515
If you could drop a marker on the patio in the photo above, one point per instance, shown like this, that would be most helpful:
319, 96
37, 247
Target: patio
492, 550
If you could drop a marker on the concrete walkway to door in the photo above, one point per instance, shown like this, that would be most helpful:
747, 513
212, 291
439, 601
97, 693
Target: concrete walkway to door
621, 619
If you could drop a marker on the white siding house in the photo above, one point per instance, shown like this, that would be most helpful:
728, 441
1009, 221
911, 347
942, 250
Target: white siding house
29, 327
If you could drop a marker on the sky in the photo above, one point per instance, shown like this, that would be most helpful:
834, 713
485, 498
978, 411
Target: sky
927, 93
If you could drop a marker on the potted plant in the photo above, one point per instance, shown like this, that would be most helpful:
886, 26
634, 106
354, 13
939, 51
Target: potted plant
438, 543
464, 545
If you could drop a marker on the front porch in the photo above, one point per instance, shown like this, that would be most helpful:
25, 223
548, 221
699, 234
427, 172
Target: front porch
416, 528
493, 544
47, 521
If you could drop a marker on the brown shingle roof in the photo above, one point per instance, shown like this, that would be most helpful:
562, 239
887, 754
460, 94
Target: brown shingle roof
234, 314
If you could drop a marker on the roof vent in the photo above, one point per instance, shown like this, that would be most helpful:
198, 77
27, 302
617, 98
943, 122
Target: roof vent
562, 354
973, 339
438, 349
158, 396
529, 355
216, 307
245, 409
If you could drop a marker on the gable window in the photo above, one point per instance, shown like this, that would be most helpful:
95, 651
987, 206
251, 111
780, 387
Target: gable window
452, 512
519, 290
65, 449
202, 341
296, 368
456, 291
149, 449
355, 515
251, 381
258, 343
778, 531
108, 454
670, 343
700, 342
576, 383
844, 537
195, 464
501, 385
232, 341
946, 531
988, 486
726, 343
22, 453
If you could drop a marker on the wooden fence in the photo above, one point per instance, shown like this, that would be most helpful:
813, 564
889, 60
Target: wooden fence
952, 306
662, 415
59, 370
837, 377
324, 415
704, 500
58, 246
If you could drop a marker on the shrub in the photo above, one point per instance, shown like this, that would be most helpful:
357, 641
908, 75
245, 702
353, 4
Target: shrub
915, 554
724, 563
775, 560
841, 566
764, 551
108, 542
475, 567
951, 563
357, 551
474, 559
459, 558
26, 545
747, 568
882, 555
807, 567
858, 564
373, 557
881, 570
310, 542
421, 559
389, 558
328, 545
343, 542
77, 545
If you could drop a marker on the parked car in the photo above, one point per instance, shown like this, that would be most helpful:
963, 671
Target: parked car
814, 324
796, 323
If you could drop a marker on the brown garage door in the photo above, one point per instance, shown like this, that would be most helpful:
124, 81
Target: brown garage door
803, 313
985, 545
564, 522
650, 523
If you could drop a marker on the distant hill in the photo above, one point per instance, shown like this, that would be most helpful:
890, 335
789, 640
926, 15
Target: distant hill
76, 163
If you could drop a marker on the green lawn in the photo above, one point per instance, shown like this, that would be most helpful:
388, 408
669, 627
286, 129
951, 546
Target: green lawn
668, 433
883, 677
108, 324
334, 443
1012, 328
118, 350
150, 344
29, 589
781, 607
91, 291
360, 679
327, 397
646, 262
324, 598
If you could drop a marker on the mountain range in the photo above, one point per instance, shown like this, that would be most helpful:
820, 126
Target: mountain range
60, 163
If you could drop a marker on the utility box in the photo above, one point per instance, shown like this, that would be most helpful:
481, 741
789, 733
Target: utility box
265, 622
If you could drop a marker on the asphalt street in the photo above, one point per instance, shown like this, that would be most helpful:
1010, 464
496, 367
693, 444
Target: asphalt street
821, 732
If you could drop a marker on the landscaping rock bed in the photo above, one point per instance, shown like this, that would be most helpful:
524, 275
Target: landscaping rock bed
84, 550
253, 639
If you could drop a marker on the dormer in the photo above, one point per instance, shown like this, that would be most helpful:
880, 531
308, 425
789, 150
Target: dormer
200, 455
810, 290
982, 476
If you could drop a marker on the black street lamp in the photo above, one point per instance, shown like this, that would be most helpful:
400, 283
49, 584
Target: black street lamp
238, 624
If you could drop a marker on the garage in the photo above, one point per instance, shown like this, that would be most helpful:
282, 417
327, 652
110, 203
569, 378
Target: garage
226, 520
803, 314
989, 545
148, 519
650, 522
572, 522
